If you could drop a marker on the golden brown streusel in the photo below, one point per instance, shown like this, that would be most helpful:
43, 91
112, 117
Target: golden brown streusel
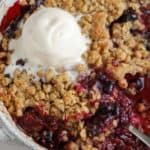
58, 93
130, 55
95, 23
5, 43
113, 49
113, 8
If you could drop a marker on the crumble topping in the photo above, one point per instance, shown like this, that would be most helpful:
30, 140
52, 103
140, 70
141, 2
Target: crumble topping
89, 107
60, 96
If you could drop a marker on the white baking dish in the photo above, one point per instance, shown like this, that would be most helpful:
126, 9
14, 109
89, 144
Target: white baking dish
8, 126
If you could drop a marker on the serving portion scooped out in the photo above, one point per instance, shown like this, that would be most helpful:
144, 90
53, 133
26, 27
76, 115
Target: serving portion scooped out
75, 74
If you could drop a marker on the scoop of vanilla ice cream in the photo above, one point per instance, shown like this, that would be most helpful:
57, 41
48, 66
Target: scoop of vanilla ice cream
50, 37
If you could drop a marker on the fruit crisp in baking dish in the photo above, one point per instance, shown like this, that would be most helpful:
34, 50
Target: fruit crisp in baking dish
109, 90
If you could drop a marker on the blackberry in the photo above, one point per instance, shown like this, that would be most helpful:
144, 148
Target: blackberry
128, 15
108, 87
20, 62
48, 136
101, 77
109, 109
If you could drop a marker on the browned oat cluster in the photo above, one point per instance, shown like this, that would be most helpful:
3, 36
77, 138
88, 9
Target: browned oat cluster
129, 55
59, 96
117, 52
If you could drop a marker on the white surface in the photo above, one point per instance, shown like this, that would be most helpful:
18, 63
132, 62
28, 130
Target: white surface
12, 145
12, 130
8, 144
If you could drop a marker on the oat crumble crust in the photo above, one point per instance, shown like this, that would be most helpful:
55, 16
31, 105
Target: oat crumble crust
118, 52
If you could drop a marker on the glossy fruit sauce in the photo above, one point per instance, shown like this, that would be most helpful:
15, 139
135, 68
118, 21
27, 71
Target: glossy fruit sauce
54, 133
11, 15
115, 104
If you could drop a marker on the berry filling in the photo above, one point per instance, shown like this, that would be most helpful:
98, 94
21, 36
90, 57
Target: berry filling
48, 131
116, 110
